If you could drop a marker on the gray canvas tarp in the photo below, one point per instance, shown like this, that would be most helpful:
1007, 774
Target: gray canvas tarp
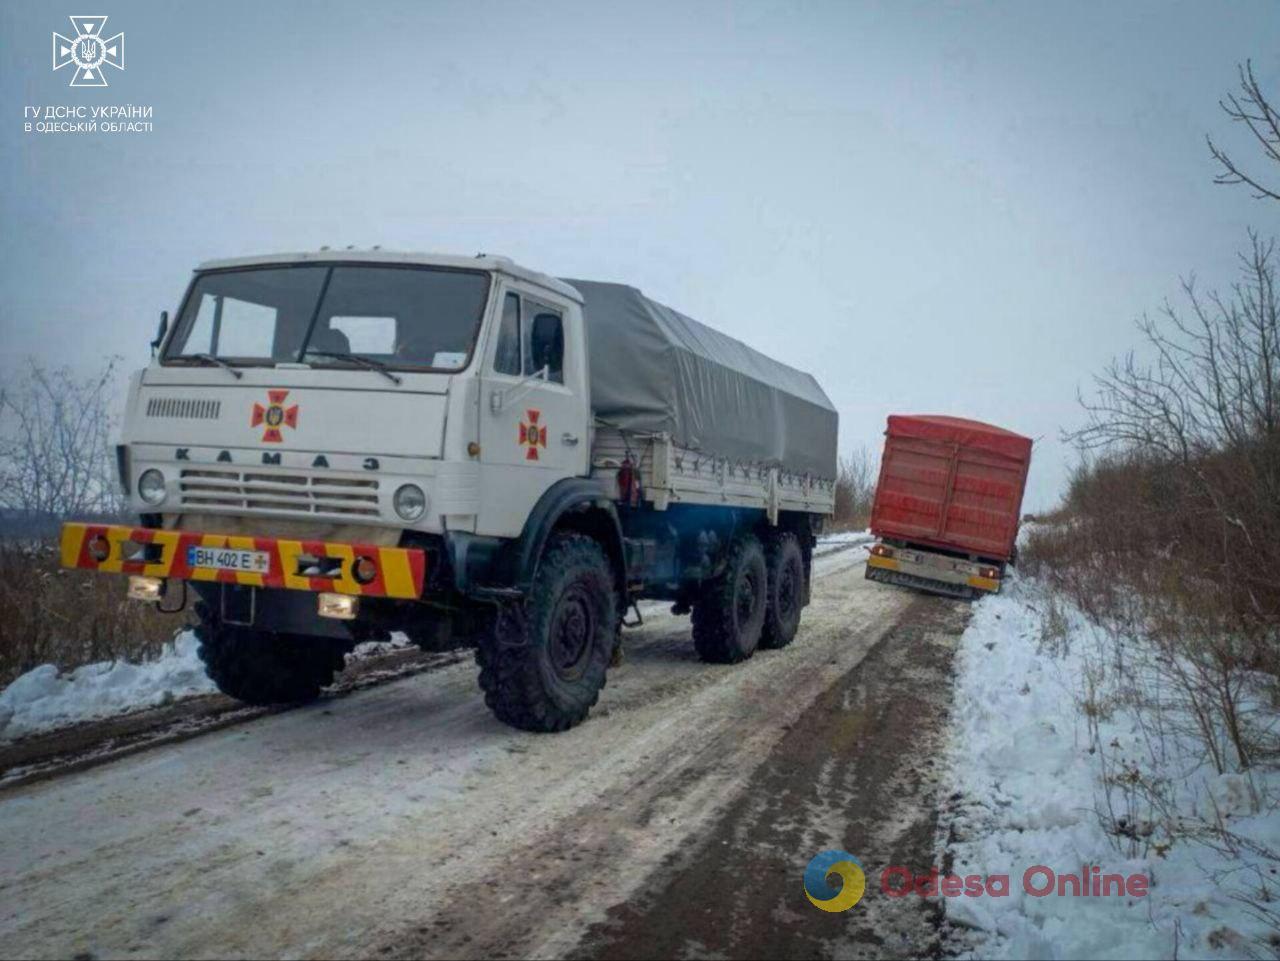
653, 369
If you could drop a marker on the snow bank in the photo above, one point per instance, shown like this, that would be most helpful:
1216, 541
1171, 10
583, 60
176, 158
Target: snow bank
43, 699
367, 649
846, 537
1026, 789
842, 541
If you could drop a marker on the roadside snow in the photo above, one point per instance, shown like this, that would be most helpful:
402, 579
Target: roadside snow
367, 649
839, 552
841, 539
43, 699
1026, 789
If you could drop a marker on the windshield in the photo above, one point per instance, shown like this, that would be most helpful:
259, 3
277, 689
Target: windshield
409, 317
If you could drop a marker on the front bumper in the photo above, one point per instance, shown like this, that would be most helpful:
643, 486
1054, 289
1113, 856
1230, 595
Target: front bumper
293, 564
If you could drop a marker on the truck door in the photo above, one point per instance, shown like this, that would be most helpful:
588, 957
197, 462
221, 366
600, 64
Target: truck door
533, 406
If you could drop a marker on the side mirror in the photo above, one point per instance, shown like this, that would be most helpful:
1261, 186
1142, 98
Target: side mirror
163, 329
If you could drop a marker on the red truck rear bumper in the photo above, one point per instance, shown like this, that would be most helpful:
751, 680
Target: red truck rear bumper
935, 567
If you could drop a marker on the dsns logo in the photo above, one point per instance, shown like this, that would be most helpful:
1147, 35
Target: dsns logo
822, 894
89, 51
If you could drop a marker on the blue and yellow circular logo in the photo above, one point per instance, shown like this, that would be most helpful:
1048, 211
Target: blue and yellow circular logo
823, 895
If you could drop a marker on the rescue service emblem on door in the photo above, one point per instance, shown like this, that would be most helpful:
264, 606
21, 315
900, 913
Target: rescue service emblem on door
531, 435
274, 416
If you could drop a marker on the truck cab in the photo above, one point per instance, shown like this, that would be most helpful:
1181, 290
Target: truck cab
330, 446
319, 388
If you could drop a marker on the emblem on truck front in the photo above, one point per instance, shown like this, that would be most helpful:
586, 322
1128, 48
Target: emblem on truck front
274, 416
531, 435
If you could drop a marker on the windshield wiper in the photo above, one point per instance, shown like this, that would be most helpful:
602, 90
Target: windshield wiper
367, 363
217, 361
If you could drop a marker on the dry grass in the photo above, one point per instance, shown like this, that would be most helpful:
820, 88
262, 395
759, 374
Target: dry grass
49, 615
1153, 560
1136, 528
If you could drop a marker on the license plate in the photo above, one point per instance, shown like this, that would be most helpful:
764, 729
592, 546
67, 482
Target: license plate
228, 559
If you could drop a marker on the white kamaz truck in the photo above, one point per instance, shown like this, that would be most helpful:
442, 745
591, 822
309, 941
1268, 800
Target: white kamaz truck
331, 446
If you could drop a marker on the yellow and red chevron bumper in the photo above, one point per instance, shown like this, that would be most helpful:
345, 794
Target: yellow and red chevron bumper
400, 571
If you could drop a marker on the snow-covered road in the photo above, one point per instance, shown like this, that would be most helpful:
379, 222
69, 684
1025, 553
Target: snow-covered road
405, 815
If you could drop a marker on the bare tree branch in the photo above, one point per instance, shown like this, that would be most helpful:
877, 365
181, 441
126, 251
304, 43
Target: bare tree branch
1252, 109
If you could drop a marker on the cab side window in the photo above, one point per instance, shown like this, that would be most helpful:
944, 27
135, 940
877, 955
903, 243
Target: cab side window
545, 343
506, 359
530, 337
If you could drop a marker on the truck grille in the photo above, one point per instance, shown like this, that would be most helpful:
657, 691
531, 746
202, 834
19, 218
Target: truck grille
186, 407
295, 494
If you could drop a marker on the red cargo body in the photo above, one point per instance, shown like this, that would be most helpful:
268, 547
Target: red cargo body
951, 483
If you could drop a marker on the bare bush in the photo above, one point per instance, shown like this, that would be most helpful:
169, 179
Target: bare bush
1168, 541
51, 615
855, 490
56, 462
56, 458
1200, 425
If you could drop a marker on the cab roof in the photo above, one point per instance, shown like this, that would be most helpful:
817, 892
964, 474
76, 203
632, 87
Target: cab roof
487, 262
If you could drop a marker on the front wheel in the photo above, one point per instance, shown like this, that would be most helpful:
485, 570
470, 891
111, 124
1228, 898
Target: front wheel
543, 661
728, 615
264, 668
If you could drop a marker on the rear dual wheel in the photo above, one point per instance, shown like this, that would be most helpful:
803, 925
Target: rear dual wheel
785, 564
729, 613
755, 603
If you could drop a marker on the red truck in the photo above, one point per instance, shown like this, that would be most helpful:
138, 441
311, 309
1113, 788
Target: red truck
947, 504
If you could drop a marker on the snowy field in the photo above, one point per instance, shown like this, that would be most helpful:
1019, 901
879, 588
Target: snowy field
1035, 778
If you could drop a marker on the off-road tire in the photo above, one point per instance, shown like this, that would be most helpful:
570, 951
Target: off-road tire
728, 613
785, 564
263, 668
543, 660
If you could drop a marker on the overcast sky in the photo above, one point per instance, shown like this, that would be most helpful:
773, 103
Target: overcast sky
950, 209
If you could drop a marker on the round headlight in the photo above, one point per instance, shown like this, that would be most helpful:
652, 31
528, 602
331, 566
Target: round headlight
151, 486
410, 502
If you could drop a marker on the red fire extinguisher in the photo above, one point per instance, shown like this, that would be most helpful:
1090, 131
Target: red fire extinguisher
628, 483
